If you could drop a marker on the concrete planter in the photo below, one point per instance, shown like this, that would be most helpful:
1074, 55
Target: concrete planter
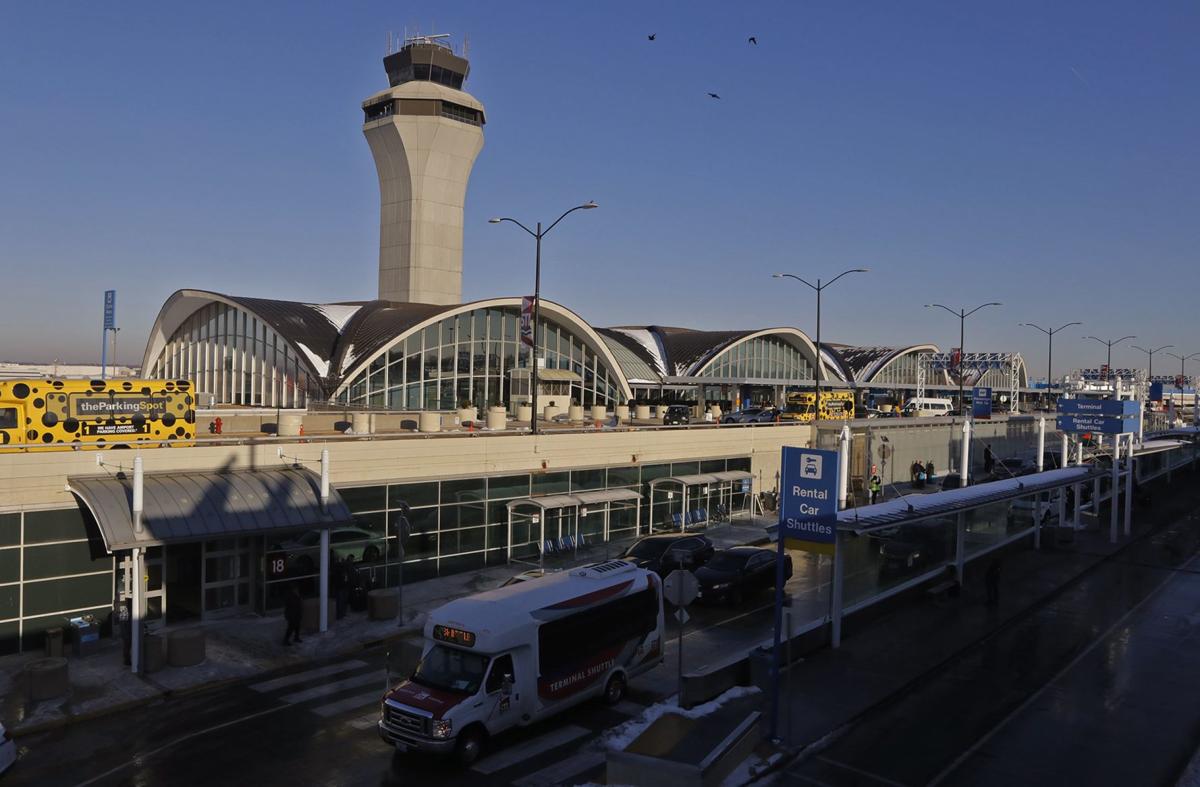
575, 413
716, 412
430, 422
524, 413
289, 424
642, 412
550, 411
659, 409
623, 413
599, 412
497, 418
363, 423
467, 414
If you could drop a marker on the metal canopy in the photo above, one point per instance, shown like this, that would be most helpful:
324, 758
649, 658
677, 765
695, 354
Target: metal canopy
690, 480
914, 507
733, 475
607, 496
577, 499
181, 507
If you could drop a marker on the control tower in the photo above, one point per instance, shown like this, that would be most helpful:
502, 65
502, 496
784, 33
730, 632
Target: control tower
424, 132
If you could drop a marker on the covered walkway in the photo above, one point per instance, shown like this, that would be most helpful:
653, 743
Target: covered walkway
574, 519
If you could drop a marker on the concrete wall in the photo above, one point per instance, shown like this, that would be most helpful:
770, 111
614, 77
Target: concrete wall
39, 479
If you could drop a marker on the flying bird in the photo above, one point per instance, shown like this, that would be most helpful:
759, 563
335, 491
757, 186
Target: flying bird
713, 95
652, 36
753, 40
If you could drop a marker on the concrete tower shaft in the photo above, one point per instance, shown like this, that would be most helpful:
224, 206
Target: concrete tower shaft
424, 132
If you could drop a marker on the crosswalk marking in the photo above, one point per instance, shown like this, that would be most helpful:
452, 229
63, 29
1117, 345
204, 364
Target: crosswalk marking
349, 703
364, 722
301, 677
561, 771
335, 687
531, 748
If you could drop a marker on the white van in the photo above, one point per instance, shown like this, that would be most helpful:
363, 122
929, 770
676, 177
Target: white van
518, 654
925, 406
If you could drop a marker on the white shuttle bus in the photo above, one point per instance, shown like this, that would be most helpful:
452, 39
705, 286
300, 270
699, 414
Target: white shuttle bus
519, 654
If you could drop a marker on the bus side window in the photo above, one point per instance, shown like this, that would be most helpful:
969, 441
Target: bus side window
8, 418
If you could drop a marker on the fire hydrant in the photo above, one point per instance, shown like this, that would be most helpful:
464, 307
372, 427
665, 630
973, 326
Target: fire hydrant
217, 425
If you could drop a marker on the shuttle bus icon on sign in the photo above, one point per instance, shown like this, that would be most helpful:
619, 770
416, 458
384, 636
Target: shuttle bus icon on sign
811, 467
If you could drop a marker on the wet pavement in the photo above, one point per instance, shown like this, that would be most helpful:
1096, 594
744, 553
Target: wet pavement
1095, 683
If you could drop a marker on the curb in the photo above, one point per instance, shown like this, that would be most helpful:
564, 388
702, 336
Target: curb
163, 693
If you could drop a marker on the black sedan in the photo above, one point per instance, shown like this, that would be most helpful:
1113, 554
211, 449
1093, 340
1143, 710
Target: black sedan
735, 573
664, 554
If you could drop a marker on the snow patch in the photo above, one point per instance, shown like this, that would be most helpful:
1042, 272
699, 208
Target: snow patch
338, 314
650, 344
347, 359
321, 365
621, 736
746, 770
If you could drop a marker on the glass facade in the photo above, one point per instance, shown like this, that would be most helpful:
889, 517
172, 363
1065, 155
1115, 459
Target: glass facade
233, 355
900, 371
462, 524
471, 357
49, 572
761, 358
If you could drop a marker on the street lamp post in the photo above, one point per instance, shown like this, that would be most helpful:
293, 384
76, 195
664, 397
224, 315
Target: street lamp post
1109, 344
1183, 359
962, 315
1050, 351
818, 287
1150, 371
537, 300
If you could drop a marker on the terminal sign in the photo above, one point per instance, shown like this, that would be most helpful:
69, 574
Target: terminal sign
1094, 423
1110, 408
808, 507
981, 402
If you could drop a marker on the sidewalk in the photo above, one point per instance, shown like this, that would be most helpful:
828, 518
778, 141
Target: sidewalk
241, 647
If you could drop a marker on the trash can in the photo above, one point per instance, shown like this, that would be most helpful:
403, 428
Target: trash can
54, 642
85, 636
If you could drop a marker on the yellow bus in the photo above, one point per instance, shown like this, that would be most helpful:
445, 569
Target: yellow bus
835, 405
56, 414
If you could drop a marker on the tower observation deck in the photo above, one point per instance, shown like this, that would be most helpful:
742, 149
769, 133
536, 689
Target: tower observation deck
425, 132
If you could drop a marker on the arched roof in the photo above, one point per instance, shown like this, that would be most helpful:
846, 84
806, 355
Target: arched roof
684, 352
381, 325
864, 364
312, 329
337, 341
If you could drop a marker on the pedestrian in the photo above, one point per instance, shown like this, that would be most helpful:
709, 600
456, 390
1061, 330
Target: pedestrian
929, 471
912, 472
292, 607
992, 581
989, 459
875, 484
920, 476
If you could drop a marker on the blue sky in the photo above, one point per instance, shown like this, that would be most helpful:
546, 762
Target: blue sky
1039, 154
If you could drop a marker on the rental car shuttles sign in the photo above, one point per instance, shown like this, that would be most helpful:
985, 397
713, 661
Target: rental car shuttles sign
808, 508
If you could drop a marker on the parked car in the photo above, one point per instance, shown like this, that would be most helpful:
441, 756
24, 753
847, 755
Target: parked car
910, 546
677, 414
346, 543
954, 481
1012, 467
767, 415
664, 554
741, 416
733, 574
8, 749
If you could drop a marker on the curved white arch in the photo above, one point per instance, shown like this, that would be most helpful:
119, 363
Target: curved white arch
871, 372
183, 304
794, 336
557, 312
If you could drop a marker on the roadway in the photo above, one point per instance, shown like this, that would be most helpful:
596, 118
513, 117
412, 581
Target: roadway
316, 724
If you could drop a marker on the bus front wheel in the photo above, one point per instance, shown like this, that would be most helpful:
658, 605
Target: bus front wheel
614, 692
470, 745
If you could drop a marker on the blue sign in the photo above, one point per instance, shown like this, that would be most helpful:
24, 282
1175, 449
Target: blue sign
981, 402
1110, 408
110, 310
1095, 423
808, 505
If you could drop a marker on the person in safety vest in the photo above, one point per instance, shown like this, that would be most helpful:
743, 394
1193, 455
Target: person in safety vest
875, 485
